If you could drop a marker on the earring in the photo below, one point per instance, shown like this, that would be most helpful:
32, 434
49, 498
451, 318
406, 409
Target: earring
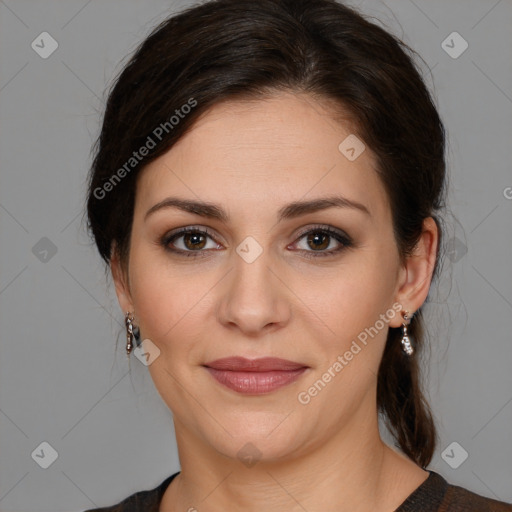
132, 333
406, 342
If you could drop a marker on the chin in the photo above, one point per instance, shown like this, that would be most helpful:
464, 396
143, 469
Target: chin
258, 438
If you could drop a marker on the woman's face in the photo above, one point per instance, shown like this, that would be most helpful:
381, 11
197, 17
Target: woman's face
266, 281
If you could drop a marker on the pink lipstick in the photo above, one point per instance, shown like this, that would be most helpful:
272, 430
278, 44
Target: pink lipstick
255, 376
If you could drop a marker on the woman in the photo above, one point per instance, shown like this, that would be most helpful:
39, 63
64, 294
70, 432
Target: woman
267, 191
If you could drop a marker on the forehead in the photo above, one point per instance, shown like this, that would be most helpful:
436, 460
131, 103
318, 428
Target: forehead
253, 154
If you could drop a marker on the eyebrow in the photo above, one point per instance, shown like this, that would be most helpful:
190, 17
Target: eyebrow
289, 211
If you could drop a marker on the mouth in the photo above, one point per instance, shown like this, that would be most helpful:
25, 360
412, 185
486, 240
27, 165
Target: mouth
254, 376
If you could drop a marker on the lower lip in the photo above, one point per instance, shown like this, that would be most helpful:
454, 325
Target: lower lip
255, 383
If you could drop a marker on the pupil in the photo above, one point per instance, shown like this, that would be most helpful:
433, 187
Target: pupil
195, 237
316, 238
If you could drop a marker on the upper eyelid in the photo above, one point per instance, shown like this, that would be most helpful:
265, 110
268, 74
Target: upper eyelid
322, 227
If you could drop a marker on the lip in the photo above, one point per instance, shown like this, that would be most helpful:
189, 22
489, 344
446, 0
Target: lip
255, 376
262, 364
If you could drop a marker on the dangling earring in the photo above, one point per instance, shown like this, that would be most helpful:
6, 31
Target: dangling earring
406, 342
132, 333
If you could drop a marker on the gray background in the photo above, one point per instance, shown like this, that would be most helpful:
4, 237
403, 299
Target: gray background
62, 379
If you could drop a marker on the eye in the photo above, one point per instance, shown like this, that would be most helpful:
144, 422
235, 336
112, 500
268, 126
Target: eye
320, 238
193, 241
189, 241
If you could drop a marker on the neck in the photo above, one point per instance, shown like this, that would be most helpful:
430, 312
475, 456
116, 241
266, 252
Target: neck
348, 470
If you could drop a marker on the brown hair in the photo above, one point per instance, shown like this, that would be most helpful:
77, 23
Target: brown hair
226, 49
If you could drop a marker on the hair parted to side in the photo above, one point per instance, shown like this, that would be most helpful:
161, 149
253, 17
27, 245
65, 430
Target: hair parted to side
236, 49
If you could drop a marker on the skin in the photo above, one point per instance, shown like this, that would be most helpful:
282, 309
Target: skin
253, 157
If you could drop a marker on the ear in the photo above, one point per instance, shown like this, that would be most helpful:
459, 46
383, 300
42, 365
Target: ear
416, 275
121, 282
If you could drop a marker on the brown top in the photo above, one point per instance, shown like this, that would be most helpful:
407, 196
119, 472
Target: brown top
435, 494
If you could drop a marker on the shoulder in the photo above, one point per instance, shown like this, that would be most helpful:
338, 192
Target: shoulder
460, 499
435, 494
142, 501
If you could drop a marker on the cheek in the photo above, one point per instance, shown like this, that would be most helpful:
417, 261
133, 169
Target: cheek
168, 308
349, 298
352, 326
349, 340
161, 295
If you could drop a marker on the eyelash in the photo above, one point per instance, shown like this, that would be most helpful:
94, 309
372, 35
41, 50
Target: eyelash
339, 236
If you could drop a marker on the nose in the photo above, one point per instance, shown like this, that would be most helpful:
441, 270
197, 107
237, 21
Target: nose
254, 299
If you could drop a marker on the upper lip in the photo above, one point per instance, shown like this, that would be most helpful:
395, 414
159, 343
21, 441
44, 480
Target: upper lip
263, 364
